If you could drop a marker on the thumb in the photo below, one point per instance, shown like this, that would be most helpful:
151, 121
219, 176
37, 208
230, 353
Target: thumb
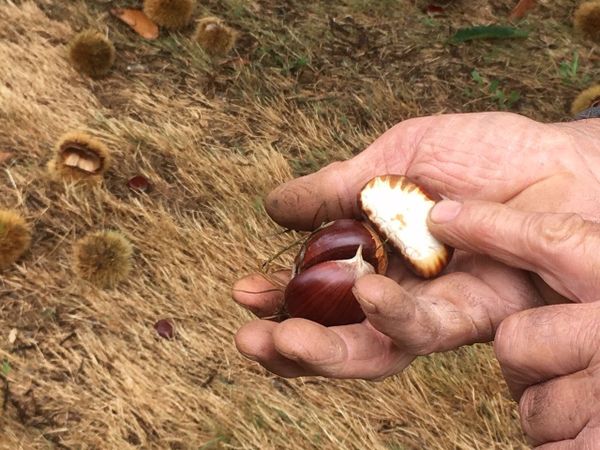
306, 202
564, 249
443, 314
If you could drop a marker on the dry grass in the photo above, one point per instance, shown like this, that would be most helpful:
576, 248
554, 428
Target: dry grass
214, 136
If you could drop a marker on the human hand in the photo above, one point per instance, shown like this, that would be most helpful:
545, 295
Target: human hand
550, 356
493, 156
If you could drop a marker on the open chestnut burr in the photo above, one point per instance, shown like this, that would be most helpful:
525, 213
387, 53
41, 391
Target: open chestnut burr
79, 156
336, 255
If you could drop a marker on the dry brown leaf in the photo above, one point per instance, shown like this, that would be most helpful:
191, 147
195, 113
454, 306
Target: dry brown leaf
521, 9
4, 156
137, 20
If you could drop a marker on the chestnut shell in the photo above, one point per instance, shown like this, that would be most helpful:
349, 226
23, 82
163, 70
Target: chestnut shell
338, 240
323, 294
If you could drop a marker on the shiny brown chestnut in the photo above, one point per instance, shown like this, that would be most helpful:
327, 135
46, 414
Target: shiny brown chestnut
340, 239
323, 292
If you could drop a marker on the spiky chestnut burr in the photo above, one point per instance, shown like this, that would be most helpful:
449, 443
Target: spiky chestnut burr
103, 258
171, 14
92, 53
586, 99
79, 156
586, 20
214, 36
15, 237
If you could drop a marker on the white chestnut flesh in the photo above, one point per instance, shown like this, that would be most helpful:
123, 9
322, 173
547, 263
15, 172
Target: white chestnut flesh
398, 209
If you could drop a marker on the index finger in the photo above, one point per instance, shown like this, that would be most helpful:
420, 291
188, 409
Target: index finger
331, 193
457, 156
547, 342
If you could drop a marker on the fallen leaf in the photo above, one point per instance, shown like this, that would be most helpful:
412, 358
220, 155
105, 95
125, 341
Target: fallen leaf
5, 156
434, 10
137, 20
521, 9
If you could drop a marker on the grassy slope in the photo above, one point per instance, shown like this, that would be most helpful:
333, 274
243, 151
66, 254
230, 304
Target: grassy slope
87, 370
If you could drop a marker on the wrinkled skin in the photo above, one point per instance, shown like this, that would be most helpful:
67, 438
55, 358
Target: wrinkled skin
550, 356
497, 157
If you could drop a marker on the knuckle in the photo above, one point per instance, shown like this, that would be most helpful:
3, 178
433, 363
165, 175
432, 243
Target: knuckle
552, 230
533, 407
507, 338
518, 334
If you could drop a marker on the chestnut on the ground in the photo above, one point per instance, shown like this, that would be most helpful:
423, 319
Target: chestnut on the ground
586, 20
587, 98
214, 36
139, 183
164, 328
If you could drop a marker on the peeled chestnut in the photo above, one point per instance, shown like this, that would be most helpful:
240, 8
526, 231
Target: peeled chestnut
323, 292
398, 208
339, 240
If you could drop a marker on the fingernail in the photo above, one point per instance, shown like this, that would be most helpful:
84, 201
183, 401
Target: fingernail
367, 306
445, 211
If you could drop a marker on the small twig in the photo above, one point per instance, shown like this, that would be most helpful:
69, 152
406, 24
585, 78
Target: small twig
209, 379
277, 317
266, 264
14, 185
22, 348
71, 335
279, 233
279, 284
266, 291
6, 392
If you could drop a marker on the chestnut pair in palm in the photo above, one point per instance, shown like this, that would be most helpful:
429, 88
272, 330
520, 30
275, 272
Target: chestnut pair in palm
333, 257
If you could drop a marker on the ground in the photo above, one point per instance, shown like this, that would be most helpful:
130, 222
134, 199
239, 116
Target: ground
307, 83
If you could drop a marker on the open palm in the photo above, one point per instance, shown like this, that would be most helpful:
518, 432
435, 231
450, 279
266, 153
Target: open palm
499, 157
